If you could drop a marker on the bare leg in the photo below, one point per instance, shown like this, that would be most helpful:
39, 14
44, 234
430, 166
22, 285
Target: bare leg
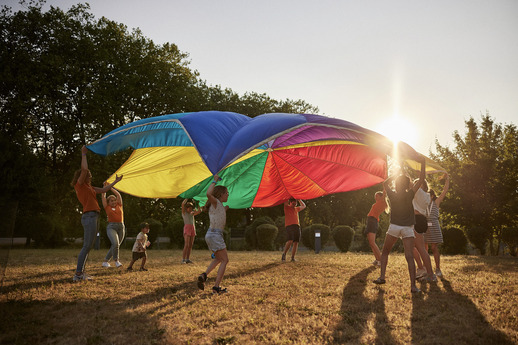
287, 246
130, 266
387, 247
436, 256
417, 258
294, 249
222, 256
419, 244
185, 246
189, 250
144, 259
408, 244
372, 243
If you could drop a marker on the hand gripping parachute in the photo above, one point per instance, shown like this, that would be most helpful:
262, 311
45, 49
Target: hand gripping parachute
262, 160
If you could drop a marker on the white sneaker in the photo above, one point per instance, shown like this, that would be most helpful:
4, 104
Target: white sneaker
376, 263
438, 273
83, 276
421, 272
118, 264
106, 264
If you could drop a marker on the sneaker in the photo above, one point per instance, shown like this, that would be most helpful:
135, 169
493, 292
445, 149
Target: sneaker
118, 264
218, 290
438, 273
106, 264
184, 261
143, 269
293, 260
420, 273
376, 263
129, 269
83, 276
188, 261
283, 257
202, 278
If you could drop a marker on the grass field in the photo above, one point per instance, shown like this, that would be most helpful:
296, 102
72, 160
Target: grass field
327, 298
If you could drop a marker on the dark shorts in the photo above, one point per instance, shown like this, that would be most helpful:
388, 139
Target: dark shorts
421, 224
138, 255
372, 225
293, 233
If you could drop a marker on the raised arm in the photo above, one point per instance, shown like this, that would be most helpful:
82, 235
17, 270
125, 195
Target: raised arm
444, 191
84, 166
302, 206
422, 175
118, 195
183, 205
211, 197
108, 186
103, 198
387, 182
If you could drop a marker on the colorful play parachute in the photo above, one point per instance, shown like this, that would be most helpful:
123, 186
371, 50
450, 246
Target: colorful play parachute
262, 160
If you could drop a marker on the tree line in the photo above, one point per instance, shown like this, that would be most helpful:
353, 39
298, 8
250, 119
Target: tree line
67, 78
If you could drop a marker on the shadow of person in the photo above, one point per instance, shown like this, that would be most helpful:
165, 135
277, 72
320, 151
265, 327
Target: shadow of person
356, 310
443, 316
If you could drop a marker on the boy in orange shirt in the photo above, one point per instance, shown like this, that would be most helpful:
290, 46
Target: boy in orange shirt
291, 221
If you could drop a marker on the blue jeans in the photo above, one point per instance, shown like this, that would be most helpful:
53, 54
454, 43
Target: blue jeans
90, 222
115, 232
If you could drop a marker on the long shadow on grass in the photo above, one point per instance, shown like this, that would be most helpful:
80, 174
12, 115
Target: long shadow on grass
448, 317
356, 311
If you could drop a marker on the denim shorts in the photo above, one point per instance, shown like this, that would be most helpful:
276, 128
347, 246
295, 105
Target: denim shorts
214, 239
401, 231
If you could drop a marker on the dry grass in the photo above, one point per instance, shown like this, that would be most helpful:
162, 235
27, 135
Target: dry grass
321, 299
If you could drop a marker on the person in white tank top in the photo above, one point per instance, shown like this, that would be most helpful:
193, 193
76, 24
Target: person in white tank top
216, 196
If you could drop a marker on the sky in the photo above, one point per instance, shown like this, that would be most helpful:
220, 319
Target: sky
410, 69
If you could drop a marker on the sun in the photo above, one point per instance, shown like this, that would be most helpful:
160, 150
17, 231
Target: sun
397, 128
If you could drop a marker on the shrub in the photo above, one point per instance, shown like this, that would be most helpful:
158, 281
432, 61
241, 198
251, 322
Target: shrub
266, 234
308, 235
174, 230
155, 230
454, 241
359, 243
343, 236
510, 237
479, 236
251, 231
280, 240
49, 234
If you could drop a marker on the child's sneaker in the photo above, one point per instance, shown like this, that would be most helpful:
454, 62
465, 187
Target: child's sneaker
143, 269
438, 273
283, 257
202, 278
218, 290
184, 261
118, 264
106, 264
188, 261
420, 273
129, 269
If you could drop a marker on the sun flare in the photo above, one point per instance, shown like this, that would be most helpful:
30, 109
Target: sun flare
397, 128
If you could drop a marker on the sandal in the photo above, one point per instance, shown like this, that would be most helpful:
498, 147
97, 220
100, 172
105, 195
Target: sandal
379, 281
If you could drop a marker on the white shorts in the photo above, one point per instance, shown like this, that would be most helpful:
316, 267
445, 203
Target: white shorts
401, 231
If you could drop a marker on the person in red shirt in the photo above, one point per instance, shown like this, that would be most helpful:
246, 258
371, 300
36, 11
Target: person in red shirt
372, 224
86, 193
115, 228
291, 221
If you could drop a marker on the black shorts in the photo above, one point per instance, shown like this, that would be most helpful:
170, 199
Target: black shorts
372, 225
293, 233
138, 255
421, 224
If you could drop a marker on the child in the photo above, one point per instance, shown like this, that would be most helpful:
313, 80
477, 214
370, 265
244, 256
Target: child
115, 228
189, 231
139, 248
292, 224
402, 220
216, 196
372, 224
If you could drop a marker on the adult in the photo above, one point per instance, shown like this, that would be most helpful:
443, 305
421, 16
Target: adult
292, 224
86, 193
434, 234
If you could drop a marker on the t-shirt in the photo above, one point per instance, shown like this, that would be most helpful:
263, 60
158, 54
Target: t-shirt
87, 197
401, 208
140, 243
291, 215
188, 218
421, 202
217, 216
115, 214
377, 208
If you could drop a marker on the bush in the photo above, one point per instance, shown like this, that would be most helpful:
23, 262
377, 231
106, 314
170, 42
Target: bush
49, 233
174, 230
308, 235
155, 230
251, 231
510, 237
454, 241
359, 243
479, 236
266, 234
280, 240
343, 236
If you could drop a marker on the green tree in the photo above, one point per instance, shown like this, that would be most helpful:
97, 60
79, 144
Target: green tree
483, 166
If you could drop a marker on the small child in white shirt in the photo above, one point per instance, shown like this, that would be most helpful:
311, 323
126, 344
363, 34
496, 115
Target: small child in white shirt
139, 248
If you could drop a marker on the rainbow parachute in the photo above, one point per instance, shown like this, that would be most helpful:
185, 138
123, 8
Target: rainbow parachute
262, 160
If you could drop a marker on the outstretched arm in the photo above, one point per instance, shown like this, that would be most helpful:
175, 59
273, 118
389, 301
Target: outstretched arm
118, 195
108, 186
103, 198
444, 191
422, 175
302, 206
84, 166
211, 197
183, 205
